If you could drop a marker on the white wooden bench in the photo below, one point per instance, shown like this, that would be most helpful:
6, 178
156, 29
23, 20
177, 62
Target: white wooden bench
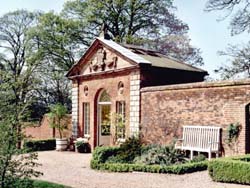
200, 139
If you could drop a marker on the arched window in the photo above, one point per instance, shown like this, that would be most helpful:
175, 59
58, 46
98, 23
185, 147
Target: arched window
104, 97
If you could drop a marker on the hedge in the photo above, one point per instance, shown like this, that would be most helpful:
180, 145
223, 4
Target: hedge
173, 169
101, 154
45, 184
231, 170
40, 145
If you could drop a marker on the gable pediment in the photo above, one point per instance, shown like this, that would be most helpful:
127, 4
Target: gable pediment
98, 59
103, 60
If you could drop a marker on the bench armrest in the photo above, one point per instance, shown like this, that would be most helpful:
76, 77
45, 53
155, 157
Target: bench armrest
180, 139
213, 142
178, 143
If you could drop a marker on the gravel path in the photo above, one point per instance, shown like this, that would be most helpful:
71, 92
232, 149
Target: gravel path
73, 169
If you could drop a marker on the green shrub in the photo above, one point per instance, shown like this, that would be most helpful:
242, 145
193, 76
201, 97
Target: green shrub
112, 159
101, 154
231, 170
18, 182
126, 153
172, 169
162, 155
199, 158
45, 184
40, 145
130, 149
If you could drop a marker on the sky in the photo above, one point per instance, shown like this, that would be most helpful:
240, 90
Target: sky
205, 31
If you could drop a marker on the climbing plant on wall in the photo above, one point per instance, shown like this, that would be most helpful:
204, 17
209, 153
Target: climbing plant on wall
233, 132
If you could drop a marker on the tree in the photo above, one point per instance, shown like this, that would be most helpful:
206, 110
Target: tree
17, 77
54, 88
131, 21
239, 59
127, 18
239, 56
18, 69
60, 43
179, 47
16, 166
240, 21
57, 113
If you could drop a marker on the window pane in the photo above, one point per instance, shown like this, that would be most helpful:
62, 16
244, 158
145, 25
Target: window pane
86, 116
104, 97
120, 125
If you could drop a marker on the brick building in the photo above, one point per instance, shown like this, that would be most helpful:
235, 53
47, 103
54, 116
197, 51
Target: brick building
108, 79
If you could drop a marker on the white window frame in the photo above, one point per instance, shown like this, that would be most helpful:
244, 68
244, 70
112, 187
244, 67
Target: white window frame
86, 119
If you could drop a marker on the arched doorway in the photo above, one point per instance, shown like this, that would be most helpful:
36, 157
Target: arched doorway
247, 128
104, 119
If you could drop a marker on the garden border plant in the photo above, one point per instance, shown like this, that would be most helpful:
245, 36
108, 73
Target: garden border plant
231, 169
46, 184
233, 131
100, 162
40, 145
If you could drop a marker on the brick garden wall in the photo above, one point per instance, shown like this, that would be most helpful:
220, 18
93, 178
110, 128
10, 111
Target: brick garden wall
43, 130
165, 109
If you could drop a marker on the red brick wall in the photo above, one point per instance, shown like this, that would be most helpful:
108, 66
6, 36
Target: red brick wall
165, 109
43, 130
96, 84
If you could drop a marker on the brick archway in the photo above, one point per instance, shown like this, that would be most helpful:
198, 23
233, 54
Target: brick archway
99, 91
247, 128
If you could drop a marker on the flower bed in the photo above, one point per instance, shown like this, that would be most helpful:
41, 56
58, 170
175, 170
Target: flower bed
131, 156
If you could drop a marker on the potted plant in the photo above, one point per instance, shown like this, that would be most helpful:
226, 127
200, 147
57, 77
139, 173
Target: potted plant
57, 113
119, 122
82, 145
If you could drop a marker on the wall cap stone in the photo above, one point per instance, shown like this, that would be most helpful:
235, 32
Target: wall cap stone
197, 85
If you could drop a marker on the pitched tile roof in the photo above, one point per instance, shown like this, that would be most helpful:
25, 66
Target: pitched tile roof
143, 56
159, 60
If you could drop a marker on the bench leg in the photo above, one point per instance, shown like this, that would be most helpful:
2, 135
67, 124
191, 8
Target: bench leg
217, 154
191, 154
209, 155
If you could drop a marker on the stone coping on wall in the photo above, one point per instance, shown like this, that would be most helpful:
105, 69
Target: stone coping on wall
197, 85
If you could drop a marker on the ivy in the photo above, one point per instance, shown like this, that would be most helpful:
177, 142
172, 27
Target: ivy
233, 132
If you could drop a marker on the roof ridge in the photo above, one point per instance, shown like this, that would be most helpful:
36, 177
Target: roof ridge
124, 51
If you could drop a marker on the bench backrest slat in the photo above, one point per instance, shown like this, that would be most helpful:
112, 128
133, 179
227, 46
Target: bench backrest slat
201, 137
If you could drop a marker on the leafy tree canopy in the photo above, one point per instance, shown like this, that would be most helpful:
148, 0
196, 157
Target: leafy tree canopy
128, 18
18, 69
239, 59
140, 22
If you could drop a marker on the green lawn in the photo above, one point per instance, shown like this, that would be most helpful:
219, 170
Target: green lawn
45, 184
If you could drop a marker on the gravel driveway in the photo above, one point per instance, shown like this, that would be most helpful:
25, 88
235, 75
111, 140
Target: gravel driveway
73, 169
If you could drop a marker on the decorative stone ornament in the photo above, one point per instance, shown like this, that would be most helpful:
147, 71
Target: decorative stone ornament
120, 88
86, 90
100, 62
